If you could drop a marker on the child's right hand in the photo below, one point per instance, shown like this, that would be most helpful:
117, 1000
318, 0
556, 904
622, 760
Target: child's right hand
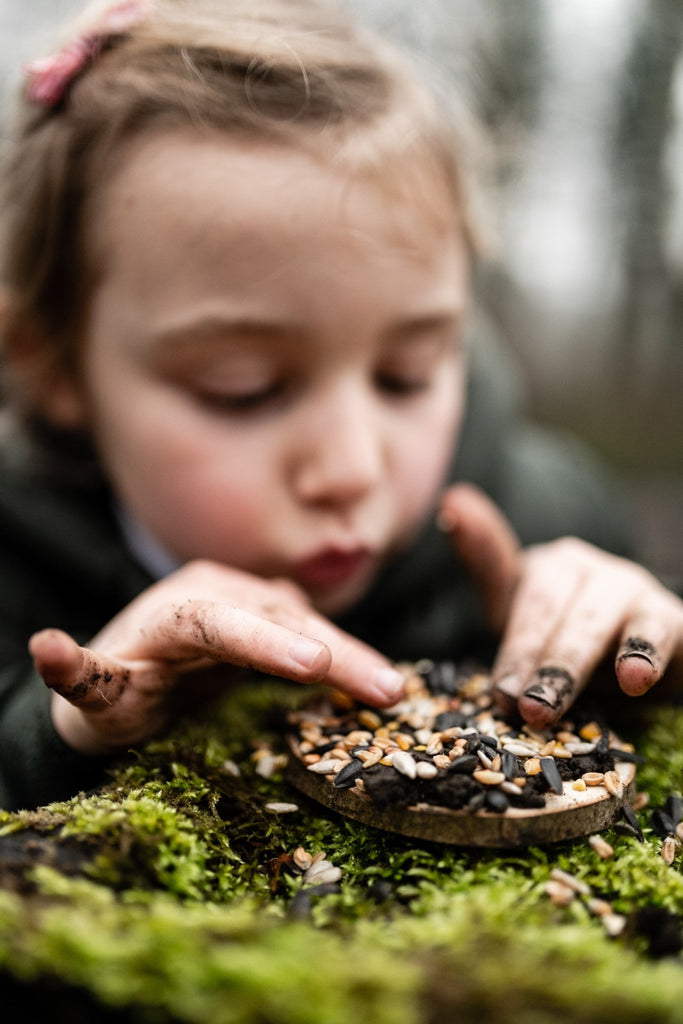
153, 657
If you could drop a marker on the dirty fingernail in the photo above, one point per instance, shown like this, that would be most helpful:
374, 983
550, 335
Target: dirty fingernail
552, 687
636, 647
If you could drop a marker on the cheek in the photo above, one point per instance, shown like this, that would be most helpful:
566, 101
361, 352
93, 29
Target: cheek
426, 450
198, 493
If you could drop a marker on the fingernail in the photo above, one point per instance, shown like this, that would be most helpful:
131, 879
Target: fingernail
306, 652
636, 647
552, 688
387, 682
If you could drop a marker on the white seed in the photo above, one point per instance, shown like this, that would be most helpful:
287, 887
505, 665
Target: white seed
571, 880
321, 872
282, 808
404, 763
669, 850
521, 749
599, 907
484, 758
578, 747
679, 831
426, 770
614, 924
561, 895
511, 787
230, 768
601, 847
330, 766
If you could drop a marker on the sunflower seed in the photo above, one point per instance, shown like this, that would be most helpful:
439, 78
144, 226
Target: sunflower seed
551, 774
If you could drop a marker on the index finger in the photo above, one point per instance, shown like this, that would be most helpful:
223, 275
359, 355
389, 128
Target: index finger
316, 652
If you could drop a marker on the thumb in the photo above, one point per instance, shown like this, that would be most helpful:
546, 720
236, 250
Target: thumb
487, 546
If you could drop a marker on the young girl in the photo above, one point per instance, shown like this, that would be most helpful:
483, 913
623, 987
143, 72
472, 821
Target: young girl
235, 261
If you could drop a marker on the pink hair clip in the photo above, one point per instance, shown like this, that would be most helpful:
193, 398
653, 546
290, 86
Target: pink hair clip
49, 77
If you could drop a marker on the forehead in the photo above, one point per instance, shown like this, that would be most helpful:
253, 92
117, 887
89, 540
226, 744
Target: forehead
174, 176
209, 226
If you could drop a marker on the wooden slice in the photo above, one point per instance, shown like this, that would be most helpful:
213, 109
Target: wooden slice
566, 815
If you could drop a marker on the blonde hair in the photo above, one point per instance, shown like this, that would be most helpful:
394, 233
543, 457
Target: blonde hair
292, 71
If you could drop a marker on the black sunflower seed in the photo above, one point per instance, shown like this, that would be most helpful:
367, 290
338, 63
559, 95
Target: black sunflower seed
509, 765
497, 801
662, 823
551, 774
465, 764
627, 755
672, 806
347, 775
631, 818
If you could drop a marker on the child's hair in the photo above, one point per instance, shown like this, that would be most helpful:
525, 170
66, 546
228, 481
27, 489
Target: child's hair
289, 71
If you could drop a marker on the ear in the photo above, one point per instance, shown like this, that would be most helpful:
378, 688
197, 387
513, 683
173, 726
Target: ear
37, 377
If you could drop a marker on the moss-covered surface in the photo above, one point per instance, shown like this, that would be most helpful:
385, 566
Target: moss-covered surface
167, 897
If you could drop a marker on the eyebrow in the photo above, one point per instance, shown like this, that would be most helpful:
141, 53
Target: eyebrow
211, 328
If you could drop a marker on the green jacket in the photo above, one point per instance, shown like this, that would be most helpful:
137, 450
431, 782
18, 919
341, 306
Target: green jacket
63, 563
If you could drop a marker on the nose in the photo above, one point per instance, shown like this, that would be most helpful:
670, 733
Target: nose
341, 451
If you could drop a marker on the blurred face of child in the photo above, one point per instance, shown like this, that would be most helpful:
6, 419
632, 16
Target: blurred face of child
272, 369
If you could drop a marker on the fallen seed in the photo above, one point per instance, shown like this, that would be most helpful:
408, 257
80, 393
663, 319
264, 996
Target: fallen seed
593, 778
426, 770
532, 766
322, 872
560, 894
282, 808
302, 858
614, 924
668, 850
579, 784
599, 907
601, 847
570, 880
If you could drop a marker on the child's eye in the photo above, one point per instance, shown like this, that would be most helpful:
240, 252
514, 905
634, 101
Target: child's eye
400, 385
242, 401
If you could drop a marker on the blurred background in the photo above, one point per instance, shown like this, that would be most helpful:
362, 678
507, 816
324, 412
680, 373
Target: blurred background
584, 105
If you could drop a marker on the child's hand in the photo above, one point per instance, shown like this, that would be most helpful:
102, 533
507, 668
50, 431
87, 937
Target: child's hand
154, 656
562, 608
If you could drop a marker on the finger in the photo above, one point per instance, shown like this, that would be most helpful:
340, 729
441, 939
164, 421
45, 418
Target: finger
585, 635
541, 604
229, 634
646, 646
84, 678
487, 546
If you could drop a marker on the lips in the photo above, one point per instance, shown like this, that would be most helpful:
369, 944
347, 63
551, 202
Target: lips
332, 567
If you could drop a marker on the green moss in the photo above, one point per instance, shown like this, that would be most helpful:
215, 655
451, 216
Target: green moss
181, 908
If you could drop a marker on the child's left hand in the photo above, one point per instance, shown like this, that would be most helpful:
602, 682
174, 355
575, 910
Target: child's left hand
562, 608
